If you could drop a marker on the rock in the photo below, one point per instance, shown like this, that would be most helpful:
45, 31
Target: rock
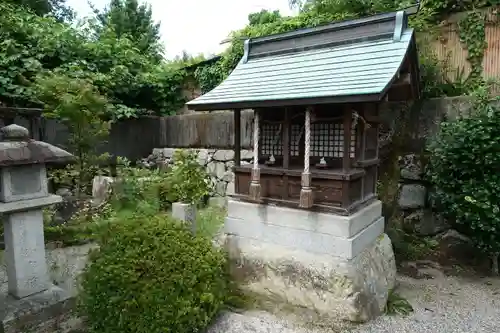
425, 223
224, 155
211, 166
421, 269
456, 237
246, 155
229, 165
228, 176
65, 210
409, 269
458, 246
230, 190
220, 171
220, 188
101, 187
412, 196
64, 192
157, 152
337, 290
216, 169
411, 167
164, 152
160, 158
203, 157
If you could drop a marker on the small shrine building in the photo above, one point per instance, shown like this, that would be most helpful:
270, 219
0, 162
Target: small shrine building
309, 198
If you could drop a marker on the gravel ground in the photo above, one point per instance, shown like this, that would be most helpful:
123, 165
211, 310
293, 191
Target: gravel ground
441, 305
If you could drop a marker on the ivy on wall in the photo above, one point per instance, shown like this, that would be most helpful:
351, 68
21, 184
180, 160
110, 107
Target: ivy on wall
472, 32
209, 76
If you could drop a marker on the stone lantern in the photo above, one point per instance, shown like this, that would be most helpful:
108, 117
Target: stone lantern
23, 195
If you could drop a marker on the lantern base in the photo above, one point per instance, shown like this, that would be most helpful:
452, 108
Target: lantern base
48, 311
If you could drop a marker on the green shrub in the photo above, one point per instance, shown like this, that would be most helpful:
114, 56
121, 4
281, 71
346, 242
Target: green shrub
186, 181
151, 275
463, 168
136, 185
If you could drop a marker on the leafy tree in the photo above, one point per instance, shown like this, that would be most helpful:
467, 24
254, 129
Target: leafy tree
134, 20
133, 82
77, 104
30, 44
263, 17
57, 8
186, 59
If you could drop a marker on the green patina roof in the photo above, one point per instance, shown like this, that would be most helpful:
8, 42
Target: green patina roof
342, 62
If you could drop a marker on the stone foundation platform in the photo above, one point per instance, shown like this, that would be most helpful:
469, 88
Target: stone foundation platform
339, 267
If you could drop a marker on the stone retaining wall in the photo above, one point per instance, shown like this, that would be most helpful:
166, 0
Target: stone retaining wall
412, 199
217, 162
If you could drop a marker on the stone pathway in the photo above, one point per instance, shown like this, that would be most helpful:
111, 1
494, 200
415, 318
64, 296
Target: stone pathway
442, 305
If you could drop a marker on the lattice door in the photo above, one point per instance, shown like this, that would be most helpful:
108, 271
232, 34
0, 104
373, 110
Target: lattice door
270, 140
327, 140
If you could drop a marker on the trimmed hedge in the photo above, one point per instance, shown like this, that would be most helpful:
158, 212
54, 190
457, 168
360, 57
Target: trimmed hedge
151, 275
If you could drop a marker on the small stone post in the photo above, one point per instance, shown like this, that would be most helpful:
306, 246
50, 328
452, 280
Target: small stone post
23, 194
186, 213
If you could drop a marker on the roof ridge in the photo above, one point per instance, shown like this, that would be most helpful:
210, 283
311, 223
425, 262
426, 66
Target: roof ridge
327, 27
376, 27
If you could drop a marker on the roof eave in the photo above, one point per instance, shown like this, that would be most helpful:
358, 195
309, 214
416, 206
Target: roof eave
413, 53
375, 97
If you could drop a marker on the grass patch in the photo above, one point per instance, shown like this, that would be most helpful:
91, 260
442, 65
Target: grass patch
209, 220
397, 305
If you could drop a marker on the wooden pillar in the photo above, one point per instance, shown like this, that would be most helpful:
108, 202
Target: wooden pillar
286, 150
361, 143
254, 191
346, 160
286, 139
306, 193
377, 129
360, 134
237, 137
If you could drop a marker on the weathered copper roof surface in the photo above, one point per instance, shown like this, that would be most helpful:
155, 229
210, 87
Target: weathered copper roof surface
342, 62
